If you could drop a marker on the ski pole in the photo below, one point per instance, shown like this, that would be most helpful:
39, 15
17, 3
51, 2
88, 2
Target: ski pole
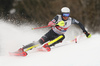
40, 27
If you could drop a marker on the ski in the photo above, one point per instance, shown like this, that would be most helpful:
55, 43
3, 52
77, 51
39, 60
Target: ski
41, 49
21, 52
17, 53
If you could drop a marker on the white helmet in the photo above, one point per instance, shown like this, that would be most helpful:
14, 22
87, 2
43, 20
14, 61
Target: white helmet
65, 10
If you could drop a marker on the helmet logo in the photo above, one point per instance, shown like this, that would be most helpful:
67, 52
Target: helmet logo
65, 10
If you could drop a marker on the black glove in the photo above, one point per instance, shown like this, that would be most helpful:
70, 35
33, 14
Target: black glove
88, 35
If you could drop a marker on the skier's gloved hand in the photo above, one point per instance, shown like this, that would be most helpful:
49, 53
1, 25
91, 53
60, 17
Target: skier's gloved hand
51, 24
88, 35
61, 23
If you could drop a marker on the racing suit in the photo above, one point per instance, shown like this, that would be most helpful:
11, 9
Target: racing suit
56, 34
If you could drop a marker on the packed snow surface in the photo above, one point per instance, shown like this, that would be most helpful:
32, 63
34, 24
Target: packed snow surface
84, 53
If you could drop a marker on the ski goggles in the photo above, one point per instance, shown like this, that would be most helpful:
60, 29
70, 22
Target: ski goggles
65, 14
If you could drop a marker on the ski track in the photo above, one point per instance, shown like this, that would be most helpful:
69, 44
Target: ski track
84, 53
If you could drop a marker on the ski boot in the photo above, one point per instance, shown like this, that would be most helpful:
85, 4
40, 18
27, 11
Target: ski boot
20, 52
47, 47
44, 48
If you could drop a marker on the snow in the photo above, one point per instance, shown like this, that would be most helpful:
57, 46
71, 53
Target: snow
84, 53
12, 11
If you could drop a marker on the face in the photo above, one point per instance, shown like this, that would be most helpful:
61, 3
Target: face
65, 18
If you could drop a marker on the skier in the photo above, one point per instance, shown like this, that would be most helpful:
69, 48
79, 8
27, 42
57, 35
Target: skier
60, 24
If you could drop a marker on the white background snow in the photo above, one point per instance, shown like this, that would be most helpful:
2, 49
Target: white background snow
84, 53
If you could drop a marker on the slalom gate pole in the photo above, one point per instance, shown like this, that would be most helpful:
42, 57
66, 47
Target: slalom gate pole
40, 27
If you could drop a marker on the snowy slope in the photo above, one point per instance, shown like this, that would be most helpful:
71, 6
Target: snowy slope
84, 53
